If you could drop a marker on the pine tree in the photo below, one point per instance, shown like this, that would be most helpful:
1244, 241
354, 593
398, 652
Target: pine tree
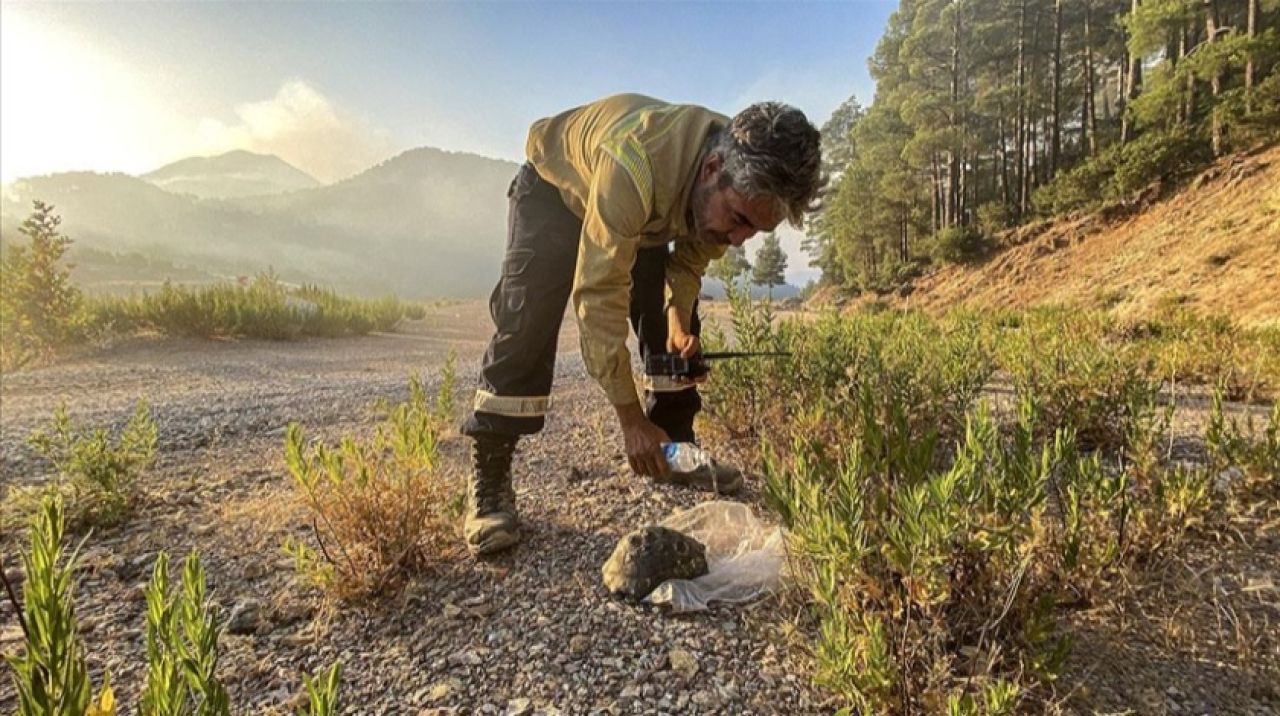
39, 306
730, 267
771, 263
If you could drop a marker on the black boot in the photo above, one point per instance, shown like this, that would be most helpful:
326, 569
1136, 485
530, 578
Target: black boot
492, 523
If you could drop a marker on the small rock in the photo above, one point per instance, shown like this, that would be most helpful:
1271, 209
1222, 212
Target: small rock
683, 663
245, 616
519, 707
443, 688
579, 643
465, 658
291, 612
452, 611
706, 698
301, 638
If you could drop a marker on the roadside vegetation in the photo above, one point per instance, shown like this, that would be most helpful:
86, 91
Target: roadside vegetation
96, 473
42, 313
49, 672
953, 487
381, 509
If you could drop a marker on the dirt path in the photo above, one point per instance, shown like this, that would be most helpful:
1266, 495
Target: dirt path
533, 625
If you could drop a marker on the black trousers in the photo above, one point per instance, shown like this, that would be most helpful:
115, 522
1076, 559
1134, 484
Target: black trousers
528, 306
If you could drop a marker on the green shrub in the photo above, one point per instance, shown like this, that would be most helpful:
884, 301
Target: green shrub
264, 308
1121, 170
97, 475
40, 311
939, 537
1075, 379
182, 646
958, 244
994, 217
182, 635
381, 509
50, 675
322, 692
1186, 347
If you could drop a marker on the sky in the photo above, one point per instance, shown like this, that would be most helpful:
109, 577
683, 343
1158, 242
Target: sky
334, 88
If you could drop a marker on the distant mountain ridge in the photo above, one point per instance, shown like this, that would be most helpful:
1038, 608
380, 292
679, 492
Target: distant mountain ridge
425, 223
234, 174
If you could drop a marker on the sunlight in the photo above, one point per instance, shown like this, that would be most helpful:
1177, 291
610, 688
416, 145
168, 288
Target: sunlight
66, 106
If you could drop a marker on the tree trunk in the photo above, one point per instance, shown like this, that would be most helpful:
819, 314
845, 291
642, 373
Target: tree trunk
1133, 77
1020, 130
1088, 119
1033, 161
1055, 128
953, 168
1002, 177
1215, 81
1188, 42
936, 209
1248, 66
903, 254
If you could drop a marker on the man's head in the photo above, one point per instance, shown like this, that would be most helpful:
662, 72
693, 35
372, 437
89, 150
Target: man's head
766, 166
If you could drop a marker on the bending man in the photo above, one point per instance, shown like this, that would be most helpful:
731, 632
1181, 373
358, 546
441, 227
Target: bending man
622, 205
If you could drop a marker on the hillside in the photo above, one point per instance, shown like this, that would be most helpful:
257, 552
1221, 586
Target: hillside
424, 224
233, 174
1214, 246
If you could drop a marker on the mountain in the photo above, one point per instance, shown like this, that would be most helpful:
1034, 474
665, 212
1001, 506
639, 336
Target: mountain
1214, 246
426, 223
234, 174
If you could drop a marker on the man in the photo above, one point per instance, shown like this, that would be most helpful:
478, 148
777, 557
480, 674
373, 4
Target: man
607, 187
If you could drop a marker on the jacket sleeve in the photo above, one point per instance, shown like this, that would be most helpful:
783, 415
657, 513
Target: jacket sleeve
685, 268
611, 226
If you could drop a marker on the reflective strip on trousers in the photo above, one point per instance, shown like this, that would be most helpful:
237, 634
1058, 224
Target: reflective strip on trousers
516, 406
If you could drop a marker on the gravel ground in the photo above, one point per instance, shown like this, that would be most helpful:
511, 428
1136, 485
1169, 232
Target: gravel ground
532, 631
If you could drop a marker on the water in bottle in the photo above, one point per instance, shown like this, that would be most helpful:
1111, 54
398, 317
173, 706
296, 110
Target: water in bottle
685, 457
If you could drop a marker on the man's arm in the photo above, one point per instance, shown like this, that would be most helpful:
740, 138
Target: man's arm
614, 216
685, 268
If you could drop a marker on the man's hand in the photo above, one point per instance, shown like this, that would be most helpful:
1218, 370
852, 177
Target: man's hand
643, 441
686, 344
683, 342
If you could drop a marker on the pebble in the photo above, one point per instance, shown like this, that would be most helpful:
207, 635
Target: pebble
519, 707
245, 617
683, 663
465, 658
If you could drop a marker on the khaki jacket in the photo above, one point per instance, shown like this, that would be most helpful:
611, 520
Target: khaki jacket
626, 165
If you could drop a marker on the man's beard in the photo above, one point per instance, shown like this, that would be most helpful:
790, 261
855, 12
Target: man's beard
700, 202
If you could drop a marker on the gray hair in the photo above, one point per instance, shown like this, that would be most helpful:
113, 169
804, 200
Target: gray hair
771, 148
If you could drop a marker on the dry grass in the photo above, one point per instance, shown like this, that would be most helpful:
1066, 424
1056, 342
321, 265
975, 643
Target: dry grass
1214, 247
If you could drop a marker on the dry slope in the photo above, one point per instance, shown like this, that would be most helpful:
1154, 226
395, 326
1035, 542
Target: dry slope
1214, 246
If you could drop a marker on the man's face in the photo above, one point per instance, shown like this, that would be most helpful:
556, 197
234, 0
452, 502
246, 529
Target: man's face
724, 216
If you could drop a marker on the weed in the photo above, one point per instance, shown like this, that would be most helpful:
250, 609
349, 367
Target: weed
50, 674
379, 508
97, 475
182, 646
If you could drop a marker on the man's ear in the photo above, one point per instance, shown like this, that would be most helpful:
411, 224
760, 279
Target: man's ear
711, 166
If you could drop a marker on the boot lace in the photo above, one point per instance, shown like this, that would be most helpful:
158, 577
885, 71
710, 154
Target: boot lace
491, 489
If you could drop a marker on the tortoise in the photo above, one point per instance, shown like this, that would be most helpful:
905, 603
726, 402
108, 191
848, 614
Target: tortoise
650, 556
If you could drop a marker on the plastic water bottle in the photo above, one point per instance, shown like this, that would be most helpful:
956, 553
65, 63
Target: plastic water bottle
685, 457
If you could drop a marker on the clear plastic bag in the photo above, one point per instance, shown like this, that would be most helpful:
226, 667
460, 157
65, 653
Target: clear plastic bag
745, 557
